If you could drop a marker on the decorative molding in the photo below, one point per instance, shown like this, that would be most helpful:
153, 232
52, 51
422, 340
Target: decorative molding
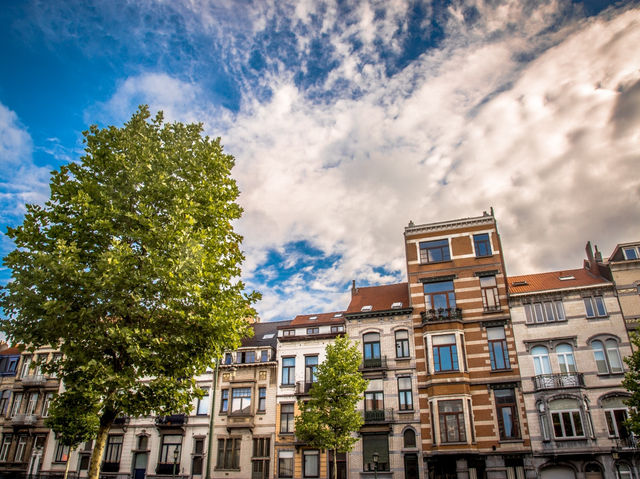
448, 225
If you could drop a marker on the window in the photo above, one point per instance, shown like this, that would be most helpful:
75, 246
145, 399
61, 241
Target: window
224, 400
372, 357
26, 365
264, 355
170, 444
498, 353
594, 306
631, 252
289, 332
451, 421
545, 311
566, 360
507, 413
489, 289
434, 251
375, 443
143, 442
286, 418
404, 394
566, 418
482, 245
246, 357
288, 371
229, 453
315, 330
616, 414
4, 401
337, 329
241, 401
285, 464
402, 344
260, 459
409, 438
203, 404
31, 404
62, 453
198, 452
624, 471
112, 452
46, 403
262, 399
311, 463
228, 359
445, 353
4, 449
607, 356
20, 448
439, 295
17, 402
374, 401
310, 369
541, 362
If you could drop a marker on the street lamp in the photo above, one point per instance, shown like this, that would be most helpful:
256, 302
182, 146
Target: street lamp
376, 457
175, 460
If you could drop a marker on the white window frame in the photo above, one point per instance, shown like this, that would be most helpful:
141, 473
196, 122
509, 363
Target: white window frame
566, 360
21, 447
6, 446
571, 416
593, 302
459, 355
635, 249
433, 405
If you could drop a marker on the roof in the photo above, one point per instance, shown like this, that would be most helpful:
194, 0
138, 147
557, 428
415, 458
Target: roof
617, 254
264, 334
335, 317
10, 351
573, 278
380, 298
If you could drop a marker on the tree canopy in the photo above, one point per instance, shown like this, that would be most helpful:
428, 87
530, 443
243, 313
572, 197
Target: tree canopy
631, 382
131, 269
329, 418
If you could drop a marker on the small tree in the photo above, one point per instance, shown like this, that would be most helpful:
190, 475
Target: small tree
631, 383
329, 419
131, 269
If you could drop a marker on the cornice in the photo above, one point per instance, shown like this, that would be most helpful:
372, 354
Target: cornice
447, 225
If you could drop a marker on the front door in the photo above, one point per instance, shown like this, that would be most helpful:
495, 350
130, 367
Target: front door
140, 466
411, 466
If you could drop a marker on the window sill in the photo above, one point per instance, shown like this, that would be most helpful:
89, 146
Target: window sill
596, 318
404, 358
606, 375
437, 262
505, 370
510, 441
288, 386
492, 311
226, 469
484, 256
563, 439
286, 434
547, 323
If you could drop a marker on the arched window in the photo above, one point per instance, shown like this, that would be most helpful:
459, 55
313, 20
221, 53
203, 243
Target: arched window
402, 344
371, 342
607, 356
541, 361
409, 438
566, 360
615, 412
624, 471
566, 418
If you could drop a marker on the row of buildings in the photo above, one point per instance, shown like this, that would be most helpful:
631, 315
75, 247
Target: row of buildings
472, 374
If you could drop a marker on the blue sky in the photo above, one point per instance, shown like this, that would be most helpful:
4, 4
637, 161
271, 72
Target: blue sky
348, 119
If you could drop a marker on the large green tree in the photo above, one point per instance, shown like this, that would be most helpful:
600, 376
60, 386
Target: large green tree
329, 418
631, 382
131, 269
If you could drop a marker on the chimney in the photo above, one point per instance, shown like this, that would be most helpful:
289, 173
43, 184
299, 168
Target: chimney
598, 255
590, 263
354, 290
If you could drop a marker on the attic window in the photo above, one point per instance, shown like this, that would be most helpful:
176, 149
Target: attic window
337, 315
368, 307
520, 283
312, 318
396, 305
268, 336
566, 278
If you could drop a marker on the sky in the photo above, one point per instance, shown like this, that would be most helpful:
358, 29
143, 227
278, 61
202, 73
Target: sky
347, 120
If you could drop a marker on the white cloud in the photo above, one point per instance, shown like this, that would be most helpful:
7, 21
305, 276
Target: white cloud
551, 143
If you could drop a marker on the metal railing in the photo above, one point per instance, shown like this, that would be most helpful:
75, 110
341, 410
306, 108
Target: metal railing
374, 363
441, 314
172, 420
377, 415
34, 380
558, 381
24, 419
629, 442
303, 387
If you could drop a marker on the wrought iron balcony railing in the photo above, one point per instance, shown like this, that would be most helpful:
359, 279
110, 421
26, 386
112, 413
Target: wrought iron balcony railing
441, 314
629, 442
172, 420
34, 380
374, 363
558, 381
24, 419
303, 387
377, 416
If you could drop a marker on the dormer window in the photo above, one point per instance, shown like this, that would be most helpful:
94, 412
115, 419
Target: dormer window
396, 305
314, 330
368, 307
631, 252
289, 332
313, 318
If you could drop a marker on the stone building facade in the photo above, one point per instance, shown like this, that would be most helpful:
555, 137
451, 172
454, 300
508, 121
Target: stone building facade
571, 341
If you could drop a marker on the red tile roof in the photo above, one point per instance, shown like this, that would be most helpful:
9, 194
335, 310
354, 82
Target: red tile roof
320, 319
380, 298
10, 351
549, 281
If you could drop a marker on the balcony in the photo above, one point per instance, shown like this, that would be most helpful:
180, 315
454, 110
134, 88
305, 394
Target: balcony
377, 416
171, 421
374, 363
558, 381
441, 314
24, 420
34, 380
627, 443
303, 388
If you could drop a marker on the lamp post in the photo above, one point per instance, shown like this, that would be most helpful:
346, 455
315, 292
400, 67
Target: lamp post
376, 457
175, 460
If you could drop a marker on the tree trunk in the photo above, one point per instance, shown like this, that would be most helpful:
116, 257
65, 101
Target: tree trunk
106, 420
66, 467
335, 463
